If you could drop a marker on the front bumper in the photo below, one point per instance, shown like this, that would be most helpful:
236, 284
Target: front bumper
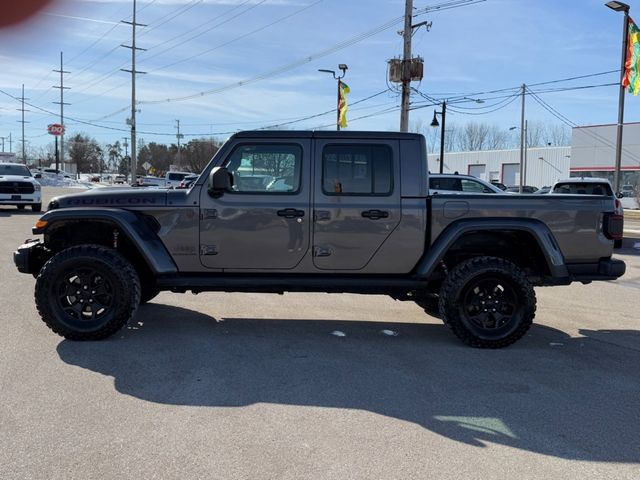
30, 256
21, 199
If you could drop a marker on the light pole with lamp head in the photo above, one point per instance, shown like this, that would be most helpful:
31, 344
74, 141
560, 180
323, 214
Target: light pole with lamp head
523, 180
434, 123
620, 7
344, 68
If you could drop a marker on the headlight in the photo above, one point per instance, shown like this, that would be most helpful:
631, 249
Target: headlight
37, 187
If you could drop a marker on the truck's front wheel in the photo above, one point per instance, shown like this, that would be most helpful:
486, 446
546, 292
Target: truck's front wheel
488, 302
87, 292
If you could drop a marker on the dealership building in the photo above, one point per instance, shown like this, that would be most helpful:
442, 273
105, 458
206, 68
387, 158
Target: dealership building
592, 154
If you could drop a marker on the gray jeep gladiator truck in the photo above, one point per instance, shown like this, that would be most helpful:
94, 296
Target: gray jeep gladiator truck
301, 211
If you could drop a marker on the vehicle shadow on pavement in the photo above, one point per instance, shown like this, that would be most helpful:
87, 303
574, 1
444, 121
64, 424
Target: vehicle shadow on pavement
630, 246
574, 398
10, 212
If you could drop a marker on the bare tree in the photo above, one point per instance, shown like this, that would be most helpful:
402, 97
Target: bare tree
536, 134
497, 138
473, 136
558, 135
198, 153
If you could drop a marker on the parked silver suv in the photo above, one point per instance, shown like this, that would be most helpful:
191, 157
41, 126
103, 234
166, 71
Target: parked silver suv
456, 183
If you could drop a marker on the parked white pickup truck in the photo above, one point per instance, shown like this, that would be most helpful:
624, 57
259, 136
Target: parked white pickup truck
18, 187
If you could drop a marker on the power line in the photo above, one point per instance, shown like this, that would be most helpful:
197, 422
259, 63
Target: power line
323, 53
567, 121
286, 17
171, 16
208, 22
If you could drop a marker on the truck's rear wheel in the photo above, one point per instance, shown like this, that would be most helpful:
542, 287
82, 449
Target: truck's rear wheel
488, 302
87, 292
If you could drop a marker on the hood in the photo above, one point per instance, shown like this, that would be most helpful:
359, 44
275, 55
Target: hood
112, 197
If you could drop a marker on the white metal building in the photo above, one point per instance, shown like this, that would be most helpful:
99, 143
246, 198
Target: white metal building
543, 166
592, 154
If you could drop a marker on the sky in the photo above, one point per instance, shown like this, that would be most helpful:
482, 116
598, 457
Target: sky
220, 66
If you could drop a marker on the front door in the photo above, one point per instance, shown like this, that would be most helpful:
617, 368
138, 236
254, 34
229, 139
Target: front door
356, 201
264, 221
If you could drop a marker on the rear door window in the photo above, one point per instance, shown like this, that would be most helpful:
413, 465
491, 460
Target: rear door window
357, 170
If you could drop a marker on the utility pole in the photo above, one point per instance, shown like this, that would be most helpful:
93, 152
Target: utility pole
126, 151
10, 143
133, 71
526, 148
522, 137
406, 66
24, 158
62, 104
179, 136
3, 143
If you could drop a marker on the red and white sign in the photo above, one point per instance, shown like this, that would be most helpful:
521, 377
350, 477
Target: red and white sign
55, 129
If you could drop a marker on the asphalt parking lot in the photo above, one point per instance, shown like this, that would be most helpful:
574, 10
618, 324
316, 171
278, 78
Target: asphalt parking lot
230, 386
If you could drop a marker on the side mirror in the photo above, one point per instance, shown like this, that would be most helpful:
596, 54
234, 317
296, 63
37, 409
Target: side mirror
37, 175
619, 195
220, 181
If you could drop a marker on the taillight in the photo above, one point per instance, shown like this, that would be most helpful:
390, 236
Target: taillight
618, 208
613, 226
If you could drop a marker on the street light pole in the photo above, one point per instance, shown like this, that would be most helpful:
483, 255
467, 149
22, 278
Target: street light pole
620, 7
434, 123
344, 69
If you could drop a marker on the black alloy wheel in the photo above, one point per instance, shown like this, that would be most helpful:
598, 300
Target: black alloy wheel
488, 302
87, 292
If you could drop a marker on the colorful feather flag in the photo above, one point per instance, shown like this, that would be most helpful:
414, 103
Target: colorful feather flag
342, 104
631, 78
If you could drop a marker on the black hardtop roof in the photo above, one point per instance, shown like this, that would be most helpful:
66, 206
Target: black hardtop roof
325, 134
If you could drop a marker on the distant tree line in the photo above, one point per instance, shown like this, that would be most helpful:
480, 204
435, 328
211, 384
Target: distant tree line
92, 157
474, 136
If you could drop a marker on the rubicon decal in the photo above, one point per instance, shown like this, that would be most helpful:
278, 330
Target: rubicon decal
110, 201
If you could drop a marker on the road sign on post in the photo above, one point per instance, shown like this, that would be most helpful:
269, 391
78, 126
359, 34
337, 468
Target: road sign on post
55, 129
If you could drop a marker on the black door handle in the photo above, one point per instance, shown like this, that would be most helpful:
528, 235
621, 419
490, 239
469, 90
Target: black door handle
290, 213
375, 214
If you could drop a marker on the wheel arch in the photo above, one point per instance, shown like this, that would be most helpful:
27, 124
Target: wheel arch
132, 234
526, 242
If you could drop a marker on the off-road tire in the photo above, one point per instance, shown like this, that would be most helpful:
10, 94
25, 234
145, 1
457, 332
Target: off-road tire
487, 302
87, 292
36, 207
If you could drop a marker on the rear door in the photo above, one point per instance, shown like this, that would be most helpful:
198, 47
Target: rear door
356, 201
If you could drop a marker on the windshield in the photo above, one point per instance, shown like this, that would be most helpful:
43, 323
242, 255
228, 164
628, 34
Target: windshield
177, 176
21, 170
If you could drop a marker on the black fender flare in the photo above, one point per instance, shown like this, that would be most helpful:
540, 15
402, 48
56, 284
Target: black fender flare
139, 232
456, 230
